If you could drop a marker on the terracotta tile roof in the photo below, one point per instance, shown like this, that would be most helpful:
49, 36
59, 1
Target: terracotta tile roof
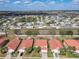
13, 44
72, 43
40, 43
26, 43
1, 40
55, 44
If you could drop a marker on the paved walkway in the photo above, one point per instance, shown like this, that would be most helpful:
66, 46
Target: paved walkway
37, 58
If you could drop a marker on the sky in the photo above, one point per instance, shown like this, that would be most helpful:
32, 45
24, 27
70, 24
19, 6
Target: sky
23, 5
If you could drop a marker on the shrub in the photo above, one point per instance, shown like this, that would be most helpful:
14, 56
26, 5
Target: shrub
62, 51
32, 32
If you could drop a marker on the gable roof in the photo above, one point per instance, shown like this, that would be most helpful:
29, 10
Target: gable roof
1, 40
72, 43
13, 44
55, 44
40, 43
26, 43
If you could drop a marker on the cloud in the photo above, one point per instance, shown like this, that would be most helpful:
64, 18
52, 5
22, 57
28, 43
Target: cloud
27, 2
75, 1
17, 2
22, 2
37, 3
2, 1
51, 3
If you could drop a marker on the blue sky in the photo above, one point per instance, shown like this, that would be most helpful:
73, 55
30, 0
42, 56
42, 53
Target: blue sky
38, 5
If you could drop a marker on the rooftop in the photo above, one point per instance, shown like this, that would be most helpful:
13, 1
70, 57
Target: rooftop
72, 43
55, 44
13, 44
26, 43
1, 40
40, 43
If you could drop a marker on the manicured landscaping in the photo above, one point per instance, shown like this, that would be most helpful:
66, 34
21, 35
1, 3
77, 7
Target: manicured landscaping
35, 51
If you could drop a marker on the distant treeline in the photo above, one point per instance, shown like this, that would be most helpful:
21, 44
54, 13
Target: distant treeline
51, 12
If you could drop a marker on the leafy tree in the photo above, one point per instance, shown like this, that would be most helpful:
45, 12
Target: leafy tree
23, 19
69, 33
32, 32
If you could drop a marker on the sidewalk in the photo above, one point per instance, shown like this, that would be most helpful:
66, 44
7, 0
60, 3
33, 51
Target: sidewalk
37, 58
